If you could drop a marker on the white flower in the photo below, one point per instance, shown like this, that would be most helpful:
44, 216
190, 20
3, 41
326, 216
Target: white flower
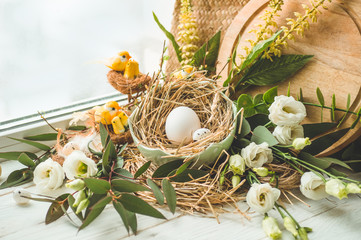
48, 175
286, 111
270, 226
257, 155
286, 134
262, 197
336, 188
353, 188
312, 186
77, 164
237, 164
301, 143
290, 225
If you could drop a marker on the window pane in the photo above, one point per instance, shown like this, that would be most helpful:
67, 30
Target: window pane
51, 51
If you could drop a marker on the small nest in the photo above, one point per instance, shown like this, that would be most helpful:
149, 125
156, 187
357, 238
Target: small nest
200, 94
127, 86
122, 138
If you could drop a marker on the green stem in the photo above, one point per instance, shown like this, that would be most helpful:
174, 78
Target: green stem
279, 210
284, 209
336, 109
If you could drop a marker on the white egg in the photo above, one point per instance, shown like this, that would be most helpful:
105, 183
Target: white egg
201, 133
19, 195
180, 125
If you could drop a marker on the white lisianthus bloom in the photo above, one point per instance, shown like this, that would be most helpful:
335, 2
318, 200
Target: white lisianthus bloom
262, 197
336, 188
237, 164
77, 164
270, 226
48, 175
286, 134
286, 111
257, 155
312, 186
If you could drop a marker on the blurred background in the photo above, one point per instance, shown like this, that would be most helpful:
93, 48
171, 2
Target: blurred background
50, 50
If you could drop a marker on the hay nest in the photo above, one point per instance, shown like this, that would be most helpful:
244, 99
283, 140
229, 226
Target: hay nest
200, 94
127, 86
122, 138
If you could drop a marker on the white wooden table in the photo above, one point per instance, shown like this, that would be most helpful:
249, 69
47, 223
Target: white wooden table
329, 218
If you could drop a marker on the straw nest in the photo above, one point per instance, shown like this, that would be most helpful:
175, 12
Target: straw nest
127, 86
200, 94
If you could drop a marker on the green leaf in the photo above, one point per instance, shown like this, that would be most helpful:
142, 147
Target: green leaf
102, 202
245, 101
245, 128
262, 134
314, 161
170, 195
108, 156
347, 110
335, 161
43, 137
269, 95
170, 37
320, 97
91, 216
71, 201
266, 72
208, 53
142, 169
324, 142
122, 213
188, 175
156, 191
98, 154
336, 172
16, 155
166, 168
17, 177
301, 95
137, 205
259, 105
55, 210
258, 119
122, 173
258, 50
104, 136
333, 106
92, 201
32, 143
127, 186
77, 128
98, 186
183, 167
26, 160
315, 129
119, 163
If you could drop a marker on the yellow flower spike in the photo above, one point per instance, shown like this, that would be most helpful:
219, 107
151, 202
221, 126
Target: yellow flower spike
131, 69
118, 127
119, 62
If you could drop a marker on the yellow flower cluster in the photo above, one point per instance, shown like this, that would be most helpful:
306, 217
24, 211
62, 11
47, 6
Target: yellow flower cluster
297, 26
187, 33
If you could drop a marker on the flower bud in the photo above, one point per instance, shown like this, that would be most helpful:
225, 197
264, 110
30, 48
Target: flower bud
271, 228
301, 143
76, 184
353, 188
82, 205
221, 180
290, 225
80, 197
235, 180
336, 188
303, 233
237, 164
261, 171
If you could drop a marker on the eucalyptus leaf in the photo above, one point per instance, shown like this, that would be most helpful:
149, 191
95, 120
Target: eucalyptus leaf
314, 161
137, 205
170, 37
258, 50
17, 177
43, 137
257, 120
104, 136
122, 213
261, 134
335, 161
92, 201
269, 95
170, 195
266, 72
55, 210
108, 156
77, 128
314, 129
71, 201
166, 168
336, 172
188, 175
98, 186
245, 101
26, 160
156, 191
259, 105
122, 173
32, 143
245, 128
183, 167
121, 185
91, 216
15, 155
102, 202
142, 169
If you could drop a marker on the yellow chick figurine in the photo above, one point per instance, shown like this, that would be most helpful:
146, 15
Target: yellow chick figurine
111, 113
131, 69
119, 62
184, 72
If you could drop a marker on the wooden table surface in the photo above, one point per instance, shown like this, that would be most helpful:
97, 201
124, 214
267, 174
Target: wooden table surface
330, 218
